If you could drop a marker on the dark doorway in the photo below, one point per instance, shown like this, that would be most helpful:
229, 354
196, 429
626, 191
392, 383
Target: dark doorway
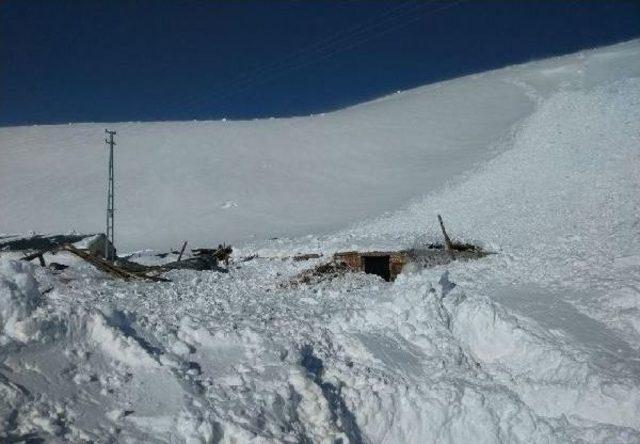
377, 265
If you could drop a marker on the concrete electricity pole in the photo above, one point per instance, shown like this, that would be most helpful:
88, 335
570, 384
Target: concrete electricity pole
108, 252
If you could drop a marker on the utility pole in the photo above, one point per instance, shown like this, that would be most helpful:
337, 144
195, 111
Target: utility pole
108, 252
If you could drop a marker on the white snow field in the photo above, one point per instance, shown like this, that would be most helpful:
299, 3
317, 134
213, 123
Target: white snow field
539, 343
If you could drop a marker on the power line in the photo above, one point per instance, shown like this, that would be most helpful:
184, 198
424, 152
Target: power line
321, 44
321, 50
326, 56
389, 20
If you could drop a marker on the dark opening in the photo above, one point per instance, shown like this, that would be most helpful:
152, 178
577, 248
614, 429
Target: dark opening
377, 265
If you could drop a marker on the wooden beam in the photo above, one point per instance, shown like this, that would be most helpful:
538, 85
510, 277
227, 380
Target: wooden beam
38, 254
182, 250
110, 268
447, 242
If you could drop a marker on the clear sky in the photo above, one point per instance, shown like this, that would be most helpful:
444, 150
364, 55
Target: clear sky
88, 61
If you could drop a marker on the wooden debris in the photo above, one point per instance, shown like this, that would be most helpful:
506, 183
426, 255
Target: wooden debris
39, 242
222, 253
55, 266
306, 257
389, 264
204, 259
199, 263
249, 258
94, 243
321, 272
436, 254
447, 242
110, 268
182, 250
40, 254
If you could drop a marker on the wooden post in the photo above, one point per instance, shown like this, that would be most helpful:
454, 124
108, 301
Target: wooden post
447, 242
182, 250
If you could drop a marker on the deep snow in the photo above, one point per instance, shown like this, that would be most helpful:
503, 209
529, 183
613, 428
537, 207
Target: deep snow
538, 343
209, 182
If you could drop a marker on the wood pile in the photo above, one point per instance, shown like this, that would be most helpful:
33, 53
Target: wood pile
203, 259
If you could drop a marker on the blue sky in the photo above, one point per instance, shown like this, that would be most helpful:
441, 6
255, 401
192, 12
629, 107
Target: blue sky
86, 61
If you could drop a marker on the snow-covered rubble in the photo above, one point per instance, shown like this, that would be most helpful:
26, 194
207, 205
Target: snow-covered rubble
538, 343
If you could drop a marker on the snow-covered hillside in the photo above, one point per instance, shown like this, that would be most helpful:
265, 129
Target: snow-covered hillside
538, 343
209, 182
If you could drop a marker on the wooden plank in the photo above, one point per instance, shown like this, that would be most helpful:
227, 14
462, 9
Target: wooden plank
306, 257
110, 268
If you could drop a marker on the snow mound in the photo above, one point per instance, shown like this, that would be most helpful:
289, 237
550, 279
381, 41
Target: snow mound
551, 375
19, 298
108, 334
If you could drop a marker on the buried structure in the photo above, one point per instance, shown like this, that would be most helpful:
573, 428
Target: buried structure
389, 264
36, 246
92, 248
386, 264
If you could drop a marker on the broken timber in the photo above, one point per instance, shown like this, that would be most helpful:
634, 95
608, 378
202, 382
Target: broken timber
306, 257
110, 268
447, 242
222, 253
204, 259
182, 251
39, 255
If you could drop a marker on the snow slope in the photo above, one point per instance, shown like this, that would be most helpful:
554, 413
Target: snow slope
538, 343
209, 182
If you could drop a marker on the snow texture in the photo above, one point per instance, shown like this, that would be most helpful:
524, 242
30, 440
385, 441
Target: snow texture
536, 343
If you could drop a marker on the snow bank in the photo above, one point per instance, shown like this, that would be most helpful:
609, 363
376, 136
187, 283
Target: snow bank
548, 371
114, 343
19, 298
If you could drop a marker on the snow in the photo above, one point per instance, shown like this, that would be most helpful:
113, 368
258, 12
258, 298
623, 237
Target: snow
209, 182
536, 343
19, 297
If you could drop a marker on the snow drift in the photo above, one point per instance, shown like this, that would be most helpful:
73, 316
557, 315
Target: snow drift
19, 297
209, 182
